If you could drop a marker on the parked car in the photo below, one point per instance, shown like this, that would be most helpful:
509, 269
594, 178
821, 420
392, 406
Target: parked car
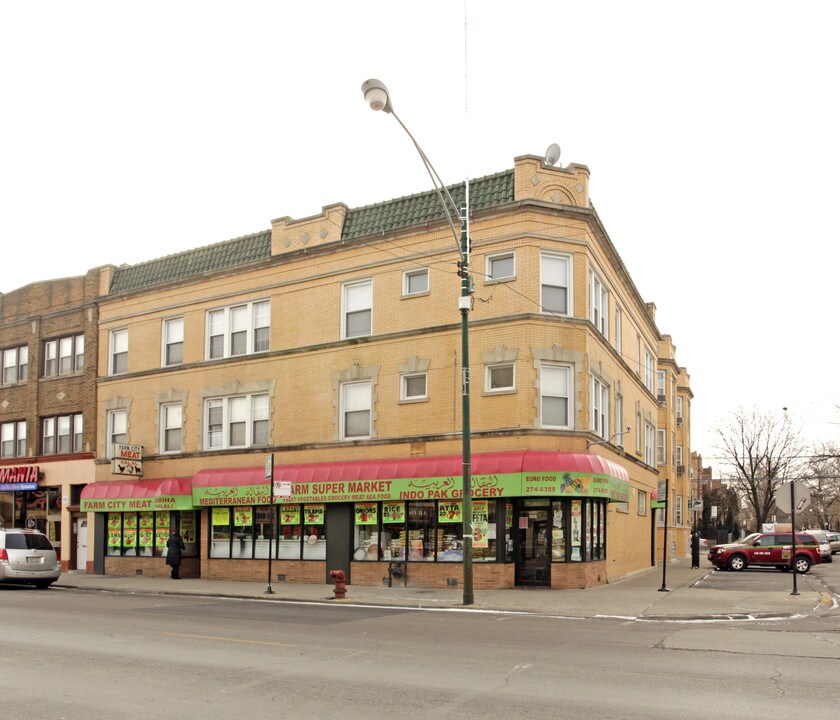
834, 542
771, 549
28, 557
821, 537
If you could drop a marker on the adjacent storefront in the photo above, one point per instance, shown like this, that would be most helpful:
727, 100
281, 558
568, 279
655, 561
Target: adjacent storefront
532, 514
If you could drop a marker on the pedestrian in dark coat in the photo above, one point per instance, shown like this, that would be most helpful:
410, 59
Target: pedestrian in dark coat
174, 550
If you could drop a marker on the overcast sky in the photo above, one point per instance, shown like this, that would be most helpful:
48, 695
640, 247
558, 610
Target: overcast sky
131, 131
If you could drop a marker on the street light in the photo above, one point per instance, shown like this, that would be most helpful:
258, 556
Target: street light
378, 97
606, 442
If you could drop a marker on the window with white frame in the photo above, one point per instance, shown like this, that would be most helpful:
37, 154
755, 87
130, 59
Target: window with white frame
678, 510
15, 365
239, 421
642, 498
650, 443
499, 378
117, 425
554, 283
13, 439
413, 386
673, 448
555, 390
64, 356
619, 419
639, 432
680, 456
172, 432
599, 407
62, 434
355, 410
660, 385
118, 355
660, 446
648, 370
357, 309
416, 282
679, 409
238, 330
618, 329
500, 266
598, 304
173, 341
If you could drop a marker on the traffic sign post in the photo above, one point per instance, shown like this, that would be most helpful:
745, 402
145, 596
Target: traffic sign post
793, 497
269, 475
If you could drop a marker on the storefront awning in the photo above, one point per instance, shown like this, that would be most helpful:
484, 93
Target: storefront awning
525, 473
133, 495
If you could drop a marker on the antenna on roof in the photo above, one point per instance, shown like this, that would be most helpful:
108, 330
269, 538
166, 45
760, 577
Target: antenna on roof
552, 155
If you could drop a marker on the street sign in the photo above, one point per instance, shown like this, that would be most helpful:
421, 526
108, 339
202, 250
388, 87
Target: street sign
269, 467
695, 505
801, 497
282, 489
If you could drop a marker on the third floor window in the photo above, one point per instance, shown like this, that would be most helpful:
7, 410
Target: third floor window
15, 365
238, 330
64, 356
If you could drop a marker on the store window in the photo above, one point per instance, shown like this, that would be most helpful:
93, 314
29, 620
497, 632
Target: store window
558, 531
144, 534
245, 532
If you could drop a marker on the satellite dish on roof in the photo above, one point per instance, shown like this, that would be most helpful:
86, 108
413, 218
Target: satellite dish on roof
552, 155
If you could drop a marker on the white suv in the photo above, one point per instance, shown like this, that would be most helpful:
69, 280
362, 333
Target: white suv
27, 556
821, 536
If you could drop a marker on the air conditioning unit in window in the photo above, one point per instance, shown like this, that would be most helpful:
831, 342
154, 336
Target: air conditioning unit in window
679, 421
660, 399
680, 469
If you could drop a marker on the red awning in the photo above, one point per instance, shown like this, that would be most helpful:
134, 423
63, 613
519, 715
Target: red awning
124, 489
422, 467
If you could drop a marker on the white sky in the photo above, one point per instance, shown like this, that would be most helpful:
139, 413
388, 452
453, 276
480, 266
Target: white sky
132, 130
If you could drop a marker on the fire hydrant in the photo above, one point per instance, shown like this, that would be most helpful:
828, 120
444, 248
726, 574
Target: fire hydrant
340, 589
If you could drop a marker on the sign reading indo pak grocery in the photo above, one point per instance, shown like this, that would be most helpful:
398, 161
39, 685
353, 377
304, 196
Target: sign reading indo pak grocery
127, 460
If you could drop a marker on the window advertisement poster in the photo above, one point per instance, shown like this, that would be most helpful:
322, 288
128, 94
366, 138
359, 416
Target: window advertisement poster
576, 528
508, 516
147, 529
162, 528
188, 527
450, 512
243, 516
221, 516
393, 512
480, 523
314, 514
366, 513
114, 530
290, 514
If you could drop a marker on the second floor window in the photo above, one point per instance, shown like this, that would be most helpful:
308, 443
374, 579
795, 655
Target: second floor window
119, 352
240, 421
599, 415
15, 364
117, 424
238, 330
555, 383
500, 266
660, 385
498, 378
650, 443
172, 428
62, 434
357, 309
13, 439
660, 447
355, 410
413, 387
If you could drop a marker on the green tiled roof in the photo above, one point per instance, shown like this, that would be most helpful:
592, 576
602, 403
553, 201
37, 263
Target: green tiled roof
403, 212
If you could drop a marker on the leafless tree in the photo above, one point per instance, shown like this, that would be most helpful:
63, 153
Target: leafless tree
823, 478
762, 450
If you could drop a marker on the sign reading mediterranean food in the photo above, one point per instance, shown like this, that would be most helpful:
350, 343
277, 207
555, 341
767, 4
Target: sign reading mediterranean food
541, 484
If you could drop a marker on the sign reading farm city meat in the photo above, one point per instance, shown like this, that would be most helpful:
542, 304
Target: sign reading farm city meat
440, 488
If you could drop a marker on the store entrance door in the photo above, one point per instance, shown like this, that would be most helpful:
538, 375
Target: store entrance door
533, 556
81, 542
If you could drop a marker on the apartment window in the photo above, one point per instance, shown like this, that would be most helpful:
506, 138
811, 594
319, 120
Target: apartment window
554, 288
117, 424
680, 456
173, 341
62, 434
649, 443
119, 352
648, 370
598, 304
599, 408
618, 329
673, 448
238, 330
240, 421
678, 508
660, 386
660, 447
355, 411
498, 378
555, 381
619, 418
357, 309
413, 387
639, 432
679, 410
172, 428
15, 364
643, 502
13, 439
416, 282
500, 266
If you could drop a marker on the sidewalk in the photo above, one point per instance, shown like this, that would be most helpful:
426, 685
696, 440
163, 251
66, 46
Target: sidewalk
637, 597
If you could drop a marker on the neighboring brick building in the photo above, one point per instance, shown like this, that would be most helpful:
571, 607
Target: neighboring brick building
48, 346
334, 343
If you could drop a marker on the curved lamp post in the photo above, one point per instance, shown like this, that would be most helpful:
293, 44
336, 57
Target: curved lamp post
378, 97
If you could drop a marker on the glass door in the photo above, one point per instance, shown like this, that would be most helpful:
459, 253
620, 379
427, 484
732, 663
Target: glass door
533, 550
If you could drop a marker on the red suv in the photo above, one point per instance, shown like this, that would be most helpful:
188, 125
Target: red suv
771, 549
